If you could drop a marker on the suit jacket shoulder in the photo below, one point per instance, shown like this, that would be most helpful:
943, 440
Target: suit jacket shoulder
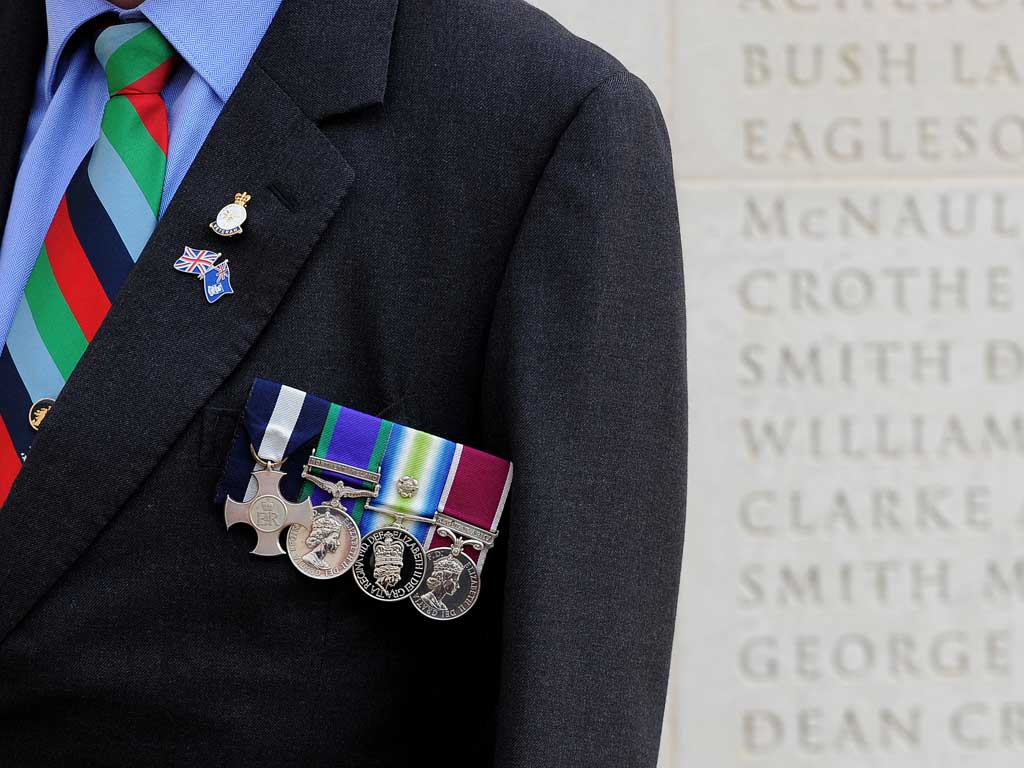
504, 67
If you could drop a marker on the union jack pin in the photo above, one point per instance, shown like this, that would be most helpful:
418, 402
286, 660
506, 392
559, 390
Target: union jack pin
196, 262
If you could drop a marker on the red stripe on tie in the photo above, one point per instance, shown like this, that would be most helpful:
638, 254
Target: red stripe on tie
76, 279
153, 113
10, 462
153, 82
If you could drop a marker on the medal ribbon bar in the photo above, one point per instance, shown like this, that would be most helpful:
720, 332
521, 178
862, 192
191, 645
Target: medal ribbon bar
278, 421
405, 475
413, 475
474, 493
355, 440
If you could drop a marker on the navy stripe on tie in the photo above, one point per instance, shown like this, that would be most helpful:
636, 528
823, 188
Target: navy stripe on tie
97, 234
15, 403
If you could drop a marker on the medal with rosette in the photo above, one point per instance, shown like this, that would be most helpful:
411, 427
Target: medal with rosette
466, 526
398, 521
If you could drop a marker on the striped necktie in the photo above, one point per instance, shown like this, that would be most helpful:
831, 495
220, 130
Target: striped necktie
102, 223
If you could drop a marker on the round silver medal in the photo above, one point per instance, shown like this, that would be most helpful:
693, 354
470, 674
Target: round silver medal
329, 548
231, 216
449, 588
390, 564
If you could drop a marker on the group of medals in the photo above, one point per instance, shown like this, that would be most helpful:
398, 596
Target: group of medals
437, 571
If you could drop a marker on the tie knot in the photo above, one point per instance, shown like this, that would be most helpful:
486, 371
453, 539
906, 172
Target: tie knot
135, 57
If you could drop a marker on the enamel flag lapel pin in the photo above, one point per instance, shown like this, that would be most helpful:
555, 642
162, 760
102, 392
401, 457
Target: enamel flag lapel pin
217, 282
196, 262
203, 264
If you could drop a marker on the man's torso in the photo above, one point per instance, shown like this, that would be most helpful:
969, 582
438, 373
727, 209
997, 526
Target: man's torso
375, 248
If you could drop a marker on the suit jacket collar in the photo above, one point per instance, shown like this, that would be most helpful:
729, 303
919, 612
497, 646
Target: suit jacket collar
162, 351
342, 64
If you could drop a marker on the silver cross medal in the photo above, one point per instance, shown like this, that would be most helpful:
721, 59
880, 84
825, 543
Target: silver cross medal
268, 511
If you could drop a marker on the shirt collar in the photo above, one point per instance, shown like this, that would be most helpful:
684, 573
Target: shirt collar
63, 19
217, 38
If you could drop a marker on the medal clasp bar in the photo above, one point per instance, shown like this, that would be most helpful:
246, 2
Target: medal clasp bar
346, 470
466, 530
337, 491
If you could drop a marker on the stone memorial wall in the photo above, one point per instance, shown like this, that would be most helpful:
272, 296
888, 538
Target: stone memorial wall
850, 180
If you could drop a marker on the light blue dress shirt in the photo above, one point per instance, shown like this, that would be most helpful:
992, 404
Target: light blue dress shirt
215, 38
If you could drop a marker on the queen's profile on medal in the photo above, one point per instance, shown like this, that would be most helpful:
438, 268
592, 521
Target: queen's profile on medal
443, 582
328, 548
451, 584
324, 538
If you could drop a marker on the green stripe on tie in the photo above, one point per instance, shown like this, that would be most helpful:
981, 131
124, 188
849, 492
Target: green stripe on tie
136, 58
131, 140
57, 327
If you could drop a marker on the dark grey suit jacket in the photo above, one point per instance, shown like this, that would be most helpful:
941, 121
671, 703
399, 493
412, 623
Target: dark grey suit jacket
463, 218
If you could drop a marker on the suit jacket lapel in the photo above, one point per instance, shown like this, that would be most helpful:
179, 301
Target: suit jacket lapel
22, 45
162, 350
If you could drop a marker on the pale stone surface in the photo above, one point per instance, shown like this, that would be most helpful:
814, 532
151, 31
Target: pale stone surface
852, 207
850, 592
800, 88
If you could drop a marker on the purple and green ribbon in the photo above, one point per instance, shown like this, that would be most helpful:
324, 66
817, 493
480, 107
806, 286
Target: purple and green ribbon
353, 438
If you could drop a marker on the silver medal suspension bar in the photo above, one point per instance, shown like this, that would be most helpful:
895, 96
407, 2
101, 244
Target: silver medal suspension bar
448, 526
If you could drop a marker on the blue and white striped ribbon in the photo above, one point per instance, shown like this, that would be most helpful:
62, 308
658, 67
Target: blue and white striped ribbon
278, 421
